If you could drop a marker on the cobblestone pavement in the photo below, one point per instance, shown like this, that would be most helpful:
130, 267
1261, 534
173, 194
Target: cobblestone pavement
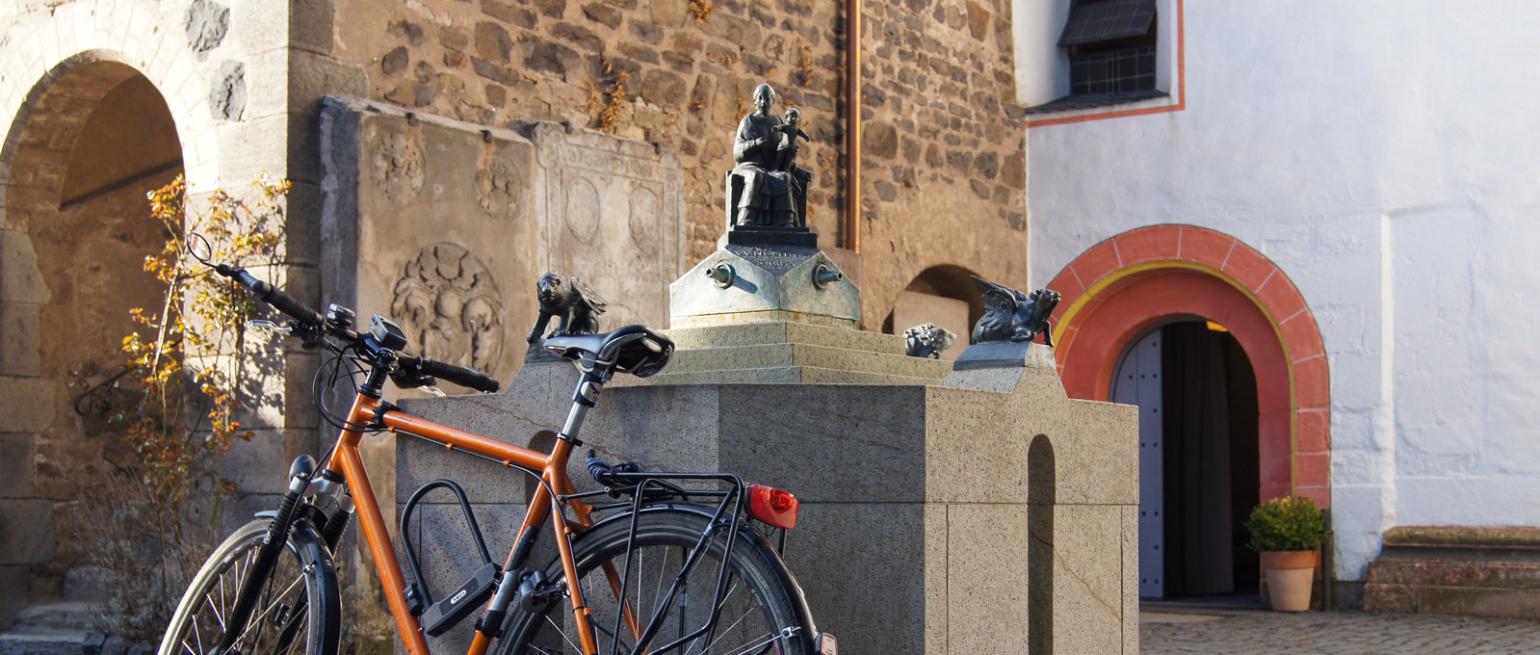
1357, 633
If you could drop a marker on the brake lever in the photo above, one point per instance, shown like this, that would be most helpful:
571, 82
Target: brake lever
264, 324
434, 391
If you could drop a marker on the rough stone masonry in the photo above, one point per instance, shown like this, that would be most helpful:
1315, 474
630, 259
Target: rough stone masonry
943, 160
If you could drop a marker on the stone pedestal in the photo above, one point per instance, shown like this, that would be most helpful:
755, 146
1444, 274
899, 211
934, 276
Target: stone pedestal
757, 312
974, 515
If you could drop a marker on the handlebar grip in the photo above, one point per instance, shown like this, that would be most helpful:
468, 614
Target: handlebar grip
465, 377
280, 301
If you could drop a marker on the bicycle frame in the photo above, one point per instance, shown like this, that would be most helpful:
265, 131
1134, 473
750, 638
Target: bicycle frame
346, 461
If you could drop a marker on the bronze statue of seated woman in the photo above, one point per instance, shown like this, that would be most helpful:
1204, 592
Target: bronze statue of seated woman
766, 190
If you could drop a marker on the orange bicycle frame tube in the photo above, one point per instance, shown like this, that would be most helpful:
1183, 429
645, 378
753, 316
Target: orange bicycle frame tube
553, 470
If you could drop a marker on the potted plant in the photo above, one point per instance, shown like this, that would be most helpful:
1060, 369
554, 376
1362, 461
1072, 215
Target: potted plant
1287, 532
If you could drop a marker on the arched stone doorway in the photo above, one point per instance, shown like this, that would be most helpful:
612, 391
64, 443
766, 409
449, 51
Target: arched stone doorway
1119, 290
94, 136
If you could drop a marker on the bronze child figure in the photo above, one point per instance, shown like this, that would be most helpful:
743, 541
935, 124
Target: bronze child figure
568, 298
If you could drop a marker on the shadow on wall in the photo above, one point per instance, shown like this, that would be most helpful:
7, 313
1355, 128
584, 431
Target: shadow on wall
1040, 500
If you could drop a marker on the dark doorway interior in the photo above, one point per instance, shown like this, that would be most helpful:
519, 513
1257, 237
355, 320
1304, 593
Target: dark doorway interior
1210, 462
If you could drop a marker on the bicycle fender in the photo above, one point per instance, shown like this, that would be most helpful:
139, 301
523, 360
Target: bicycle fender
757, 541
314, 553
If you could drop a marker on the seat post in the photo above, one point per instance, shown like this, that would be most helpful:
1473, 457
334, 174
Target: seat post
584, 397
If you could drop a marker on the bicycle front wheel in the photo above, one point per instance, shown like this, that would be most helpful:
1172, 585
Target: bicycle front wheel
297, 613
756, 615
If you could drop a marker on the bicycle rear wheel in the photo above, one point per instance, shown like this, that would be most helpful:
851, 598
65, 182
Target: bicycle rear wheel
757, 614
298, 611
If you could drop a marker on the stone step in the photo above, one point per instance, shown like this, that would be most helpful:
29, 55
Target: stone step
45, 641
762, 334
86, 583
787, 375
63, 615
804, 355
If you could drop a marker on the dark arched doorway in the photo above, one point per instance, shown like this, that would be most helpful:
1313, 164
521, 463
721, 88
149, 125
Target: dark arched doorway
1198, 457
92, 139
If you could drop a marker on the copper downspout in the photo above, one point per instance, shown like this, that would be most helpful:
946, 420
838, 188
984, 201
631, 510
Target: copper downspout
853, 126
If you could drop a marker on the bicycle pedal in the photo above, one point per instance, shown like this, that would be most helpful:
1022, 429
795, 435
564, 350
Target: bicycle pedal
448, 613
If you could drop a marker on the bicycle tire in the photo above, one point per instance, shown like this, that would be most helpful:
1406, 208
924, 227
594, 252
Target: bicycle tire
751, 561
305, 559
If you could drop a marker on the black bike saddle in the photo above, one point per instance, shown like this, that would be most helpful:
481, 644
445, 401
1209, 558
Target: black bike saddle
633, 349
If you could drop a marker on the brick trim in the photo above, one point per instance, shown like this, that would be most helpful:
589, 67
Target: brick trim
1124, 285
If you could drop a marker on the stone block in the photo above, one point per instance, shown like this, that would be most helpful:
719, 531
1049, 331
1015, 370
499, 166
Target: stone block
987, 557
976, 447
1130, 524
789, 354
29, 403
434, 220
610, 211
1004, 354
13, 579
835, 444
1479, 571
20, 279
26, 531
765, 333
785, 375
20, 354
1087, 579
259, 466
17, 461
869, 591
1095, 449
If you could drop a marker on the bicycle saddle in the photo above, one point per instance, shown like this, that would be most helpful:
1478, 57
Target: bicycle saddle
633, 349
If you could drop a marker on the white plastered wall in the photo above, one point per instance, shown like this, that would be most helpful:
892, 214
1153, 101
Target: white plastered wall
1385, 154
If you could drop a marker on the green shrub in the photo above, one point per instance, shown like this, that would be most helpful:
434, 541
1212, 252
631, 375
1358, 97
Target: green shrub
1292, 523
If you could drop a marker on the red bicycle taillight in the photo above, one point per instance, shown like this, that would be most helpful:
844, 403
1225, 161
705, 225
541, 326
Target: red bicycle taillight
773, 506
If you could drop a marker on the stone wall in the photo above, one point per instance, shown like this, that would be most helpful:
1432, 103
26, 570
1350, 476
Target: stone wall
942, 164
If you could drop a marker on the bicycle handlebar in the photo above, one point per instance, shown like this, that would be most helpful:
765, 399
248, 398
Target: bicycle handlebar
418, 369
270, 294
466, 377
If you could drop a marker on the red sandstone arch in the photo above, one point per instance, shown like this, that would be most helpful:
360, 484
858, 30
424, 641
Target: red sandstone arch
1127, 284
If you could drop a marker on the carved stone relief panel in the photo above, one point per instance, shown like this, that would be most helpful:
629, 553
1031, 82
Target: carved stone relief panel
448, 302
430, 223
610, 211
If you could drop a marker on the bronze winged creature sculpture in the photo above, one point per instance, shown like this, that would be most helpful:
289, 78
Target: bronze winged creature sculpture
1010, 315
575, 305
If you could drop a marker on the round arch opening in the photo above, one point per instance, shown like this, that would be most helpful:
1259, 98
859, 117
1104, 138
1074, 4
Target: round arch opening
1123, 287
93, 137
942, 294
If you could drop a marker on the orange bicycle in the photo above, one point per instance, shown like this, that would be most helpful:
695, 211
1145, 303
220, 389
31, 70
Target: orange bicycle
666, 563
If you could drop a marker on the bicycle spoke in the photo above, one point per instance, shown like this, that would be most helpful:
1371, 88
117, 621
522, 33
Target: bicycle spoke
257, 620
726, 632
711, 641
217, 615
563, 633
765, 641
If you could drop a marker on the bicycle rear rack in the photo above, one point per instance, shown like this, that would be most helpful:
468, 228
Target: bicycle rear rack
646, 488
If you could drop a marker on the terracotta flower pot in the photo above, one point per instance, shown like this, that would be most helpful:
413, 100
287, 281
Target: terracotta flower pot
1290, 575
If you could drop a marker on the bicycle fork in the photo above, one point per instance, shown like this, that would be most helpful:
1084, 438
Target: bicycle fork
300, 473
